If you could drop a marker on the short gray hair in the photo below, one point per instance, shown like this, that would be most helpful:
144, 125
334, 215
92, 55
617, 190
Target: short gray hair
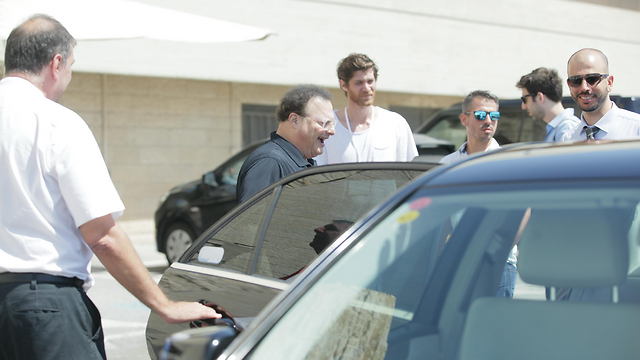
32, 44
485, 94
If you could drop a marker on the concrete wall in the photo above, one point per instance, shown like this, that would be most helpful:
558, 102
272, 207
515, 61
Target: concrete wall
156, 133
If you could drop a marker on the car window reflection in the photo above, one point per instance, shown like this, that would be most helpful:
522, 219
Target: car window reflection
414, 275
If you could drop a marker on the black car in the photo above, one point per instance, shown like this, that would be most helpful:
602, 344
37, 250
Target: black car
187, 210
515, 124
255, 251
416, 278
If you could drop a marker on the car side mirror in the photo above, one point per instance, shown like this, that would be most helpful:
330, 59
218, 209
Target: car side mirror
193, 343
211, 254
209, 179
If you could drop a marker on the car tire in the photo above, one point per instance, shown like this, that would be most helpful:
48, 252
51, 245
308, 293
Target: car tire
177, 239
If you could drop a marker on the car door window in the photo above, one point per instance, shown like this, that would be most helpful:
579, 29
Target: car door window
237, 238
313, 211
510, 126
404, 288
516, 125
229, 175
449, 128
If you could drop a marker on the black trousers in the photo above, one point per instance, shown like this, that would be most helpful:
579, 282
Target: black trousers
48, 321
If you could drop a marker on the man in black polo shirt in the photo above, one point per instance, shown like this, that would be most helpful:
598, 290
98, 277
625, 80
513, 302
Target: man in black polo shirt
306, 120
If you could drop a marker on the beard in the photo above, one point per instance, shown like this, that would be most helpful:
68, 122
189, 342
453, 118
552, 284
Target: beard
600, 99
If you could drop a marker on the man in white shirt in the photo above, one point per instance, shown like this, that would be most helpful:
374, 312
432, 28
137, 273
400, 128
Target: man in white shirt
58, 208
365, 132
541, 97
590, 84
480, 117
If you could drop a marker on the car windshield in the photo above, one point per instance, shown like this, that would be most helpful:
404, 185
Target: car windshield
404, 288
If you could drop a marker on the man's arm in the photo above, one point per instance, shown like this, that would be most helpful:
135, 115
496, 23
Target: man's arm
114, 249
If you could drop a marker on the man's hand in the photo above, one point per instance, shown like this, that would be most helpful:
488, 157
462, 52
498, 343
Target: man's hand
114, 249
182, 311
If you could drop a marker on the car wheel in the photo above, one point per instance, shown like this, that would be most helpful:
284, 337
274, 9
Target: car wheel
177, 239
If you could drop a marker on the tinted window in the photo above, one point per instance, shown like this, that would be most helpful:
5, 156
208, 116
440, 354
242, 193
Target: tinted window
532, 130
510, 125
403, 290
237, 238
229, 175
449, 128
327, 202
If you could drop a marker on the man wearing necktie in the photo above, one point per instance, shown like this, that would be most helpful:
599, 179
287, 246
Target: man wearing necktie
541, 97
590, 84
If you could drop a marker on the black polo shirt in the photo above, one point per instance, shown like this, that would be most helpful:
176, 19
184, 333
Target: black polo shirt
267, 164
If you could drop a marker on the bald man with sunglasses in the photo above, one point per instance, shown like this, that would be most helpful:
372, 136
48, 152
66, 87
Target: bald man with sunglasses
480, 117
590, 84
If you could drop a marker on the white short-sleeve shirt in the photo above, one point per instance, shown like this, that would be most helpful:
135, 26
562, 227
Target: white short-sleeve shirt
53, 179
388, 138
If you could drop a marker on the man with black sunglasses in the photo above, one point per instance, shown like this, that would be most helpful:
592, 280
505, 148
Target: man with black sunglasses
590, 84
541, 97
480, 117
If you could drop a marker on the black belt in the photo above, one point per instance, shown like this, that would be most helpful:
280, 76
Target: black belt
9, 277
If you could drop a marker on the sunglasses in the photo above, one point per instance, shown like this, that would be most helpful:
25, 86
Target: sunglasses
481, 115
591, 79
524, 99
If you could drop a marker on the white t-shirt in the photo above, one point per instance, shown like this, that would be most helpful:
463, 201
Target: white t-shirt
53, 180
388, 138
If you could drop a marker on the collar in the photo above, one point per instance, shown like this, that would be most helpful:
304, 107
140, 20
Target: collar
607, 122
563, 115
493, 144
293, 152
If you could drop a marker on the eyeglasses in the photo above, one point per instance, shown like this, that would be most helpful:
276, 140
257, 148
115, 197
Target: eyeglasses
326, 124
524, 98
481, 115
592, 79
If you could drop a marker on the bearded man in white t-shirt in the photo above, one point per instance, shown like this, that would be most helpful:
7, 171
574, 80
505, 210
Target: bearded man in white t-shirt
365, 132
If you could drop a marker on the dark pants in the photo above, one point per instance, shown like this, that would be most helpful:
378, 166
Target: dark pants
48, 321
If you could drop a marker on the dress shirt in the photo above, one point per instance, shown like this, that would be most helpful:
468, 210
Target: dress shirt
562, 127
616, 124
